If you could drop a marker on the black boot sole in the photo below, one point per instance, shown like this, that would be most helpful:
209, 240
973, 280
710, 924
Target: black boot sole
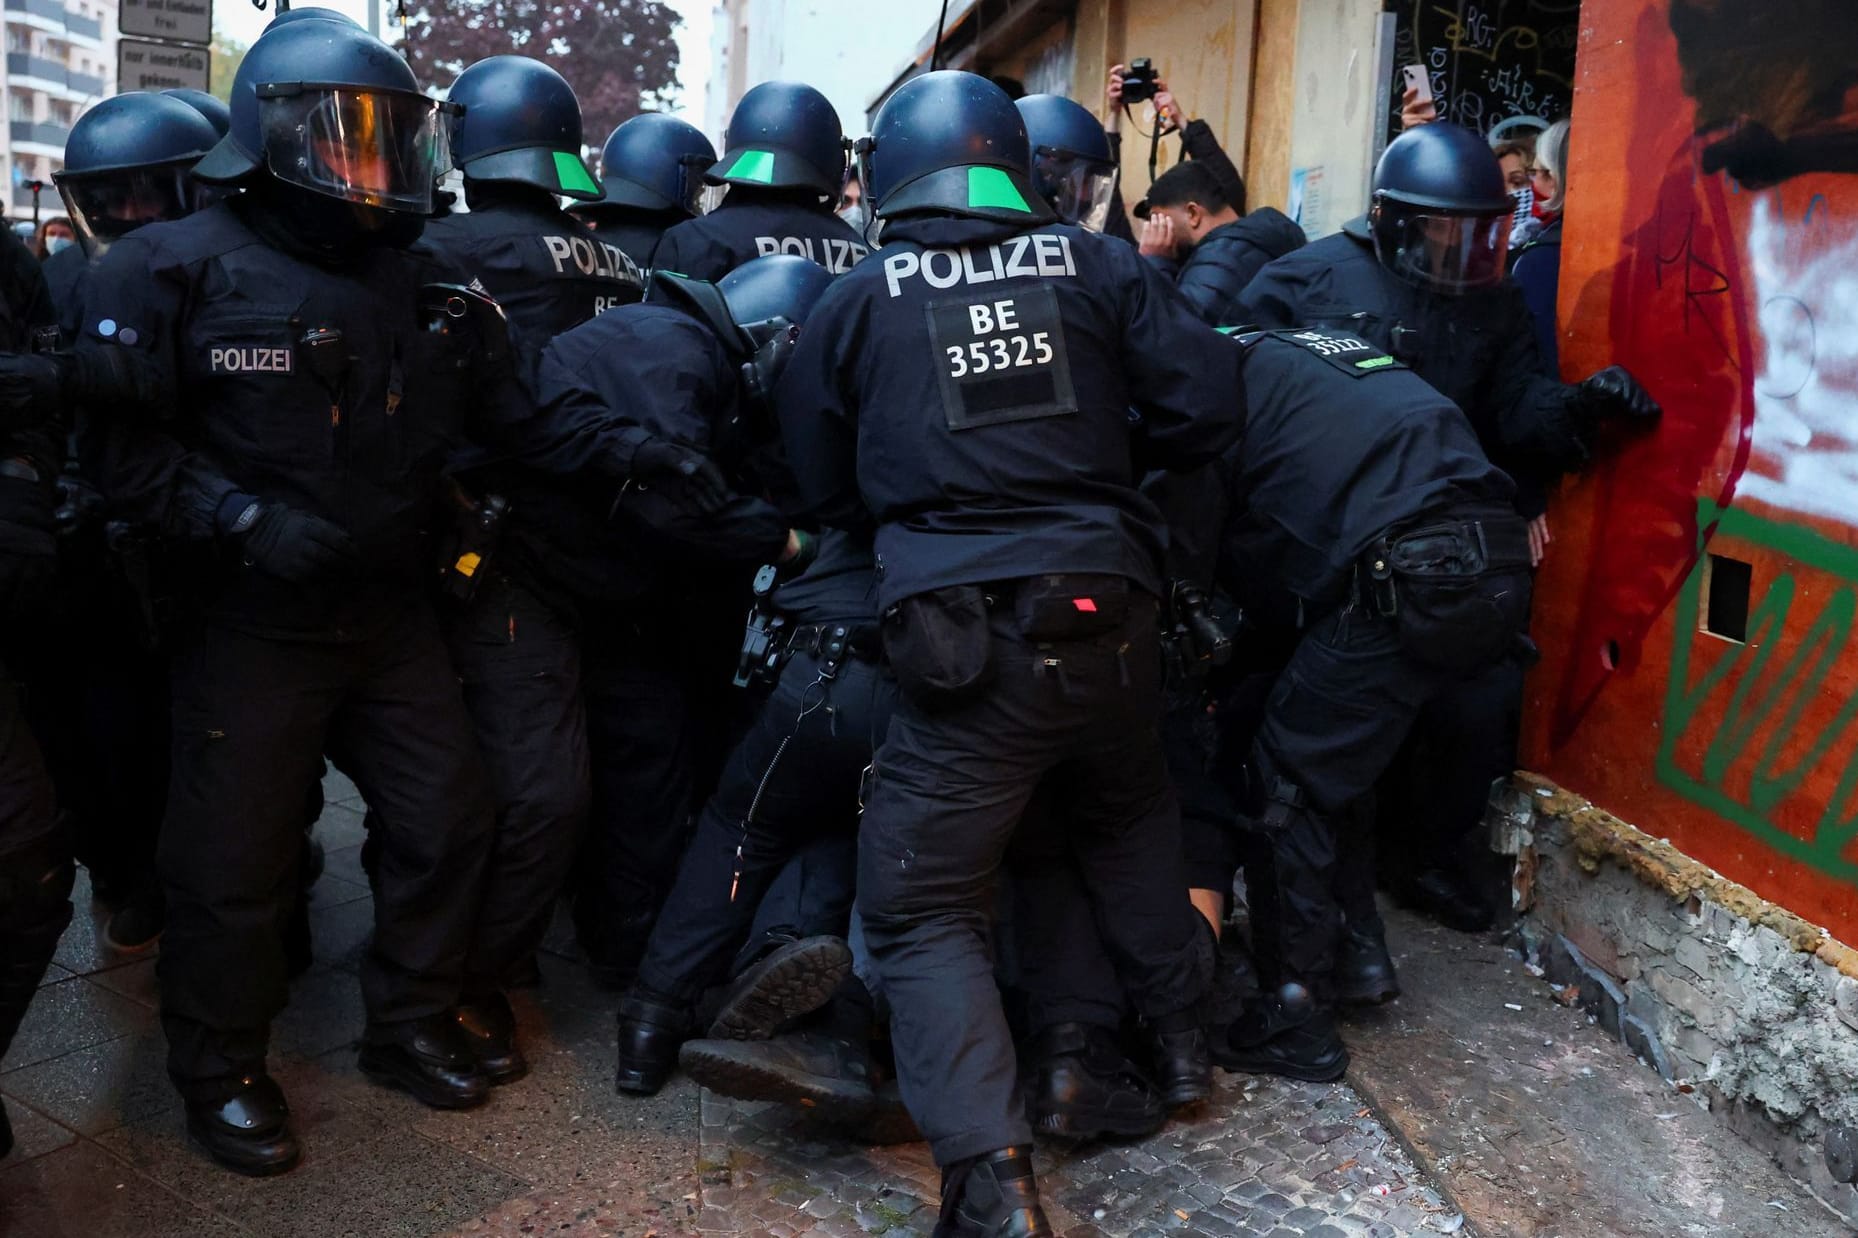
1076, 1124
1324, 1070
1186, 1095
392, 1073
795, 980
1368, 995
509, 1070
219, 1150
640, 1083
721, 1068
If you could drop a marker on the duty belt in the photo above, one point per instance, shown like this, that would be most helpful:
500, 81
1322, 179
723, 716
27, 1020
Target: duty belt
834, 643
1439, 549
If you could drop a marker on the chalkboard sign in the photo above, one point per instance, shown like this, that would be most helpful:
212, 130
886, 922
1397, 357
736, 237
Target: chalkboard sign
1492, 63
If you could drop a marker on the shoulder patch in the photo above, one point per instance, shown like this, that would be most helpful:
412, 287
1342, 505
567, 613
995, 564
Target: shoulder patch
1348, 353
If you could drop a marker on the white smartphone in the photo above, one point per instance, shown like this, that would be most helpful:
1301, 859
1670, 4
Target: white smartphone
1418, 81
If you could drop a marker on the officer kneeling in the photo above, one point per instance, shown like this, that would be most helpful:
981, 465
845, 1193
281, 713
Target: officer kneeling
967, 391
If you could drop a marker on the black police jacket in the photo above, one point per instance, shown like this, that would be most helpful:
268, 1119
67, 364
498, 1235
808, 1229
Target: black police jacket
656, 367
635, 232
203, 378
1342, 443
1479, 350
968, 392
550, 274
30, 454
752, 224
545, 268
63, 271
1226, 260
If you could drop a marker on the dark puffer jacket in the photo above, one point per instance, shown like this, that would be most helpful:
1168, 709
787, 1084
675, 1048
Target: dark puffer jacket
1227, 258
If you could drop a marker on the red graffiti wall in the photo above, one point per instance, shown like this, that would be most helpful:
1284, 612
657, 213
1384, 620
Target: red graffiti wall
1712, 249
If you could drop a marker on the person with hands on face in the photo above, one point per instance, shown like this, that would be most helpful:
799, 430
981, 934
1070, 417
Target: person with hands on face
1207, 243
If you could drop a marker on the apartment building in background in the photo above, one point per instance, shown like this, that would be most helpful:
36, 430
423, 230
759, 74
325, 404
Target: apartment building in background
60, 59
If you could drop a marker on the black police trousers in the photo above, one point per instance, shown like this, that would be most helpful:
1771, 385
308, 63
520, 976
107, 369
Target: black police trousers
1336, 716
949, 791
253, 718
519, 663
792, 781
35, 866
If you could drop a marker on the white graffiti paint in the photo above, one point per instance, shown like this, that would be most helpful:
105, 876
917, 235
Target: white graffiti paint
1805, 278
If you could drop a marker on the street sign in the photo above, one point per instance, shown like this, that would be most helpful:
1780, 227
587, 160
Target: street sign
178, 21
141, 65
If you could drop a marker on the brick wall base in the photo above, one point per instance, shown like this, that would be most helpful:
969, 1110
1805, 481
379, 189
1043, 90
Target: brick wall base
1745, 1008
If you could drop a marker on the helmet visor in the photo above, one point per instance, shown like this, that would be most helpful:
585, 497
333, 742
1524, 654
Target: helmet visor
1448, 253
107, 205
381, 148
1080, 189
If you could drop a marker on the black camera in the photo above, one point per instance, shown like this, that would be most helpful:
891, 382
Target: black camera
1139, 81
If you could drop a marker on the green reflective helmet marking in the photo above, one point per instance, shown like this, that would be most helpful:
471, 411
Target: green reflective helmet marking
572, 175
752, 165
1374, 363
991, 187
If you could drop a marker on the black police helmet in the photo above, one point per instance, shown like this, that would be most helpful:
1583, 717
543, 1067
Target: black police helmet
783, 135
953, 143
521, 123
215, 110
1064, 127
139, 129
1445, 167
775, 286
312, 13
655, 162
302, 46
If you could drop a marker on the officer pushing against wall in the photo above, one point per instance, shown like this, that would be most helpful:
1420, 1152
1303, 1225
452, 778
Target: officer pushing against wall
651, 177
280, 381
783, 162
967, 391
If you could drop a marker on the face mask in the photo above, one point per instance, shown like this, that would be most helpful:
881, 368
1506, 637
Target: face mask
57, 244
855, 216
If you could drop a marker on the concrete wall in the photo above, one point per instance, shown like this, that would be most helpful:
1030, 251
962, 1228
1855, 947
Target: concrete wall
1742, 1006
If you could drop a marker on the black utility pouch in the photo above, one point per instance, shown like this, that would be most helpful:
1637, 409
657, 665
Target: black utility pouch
939, 646
1461, 600
1070, 607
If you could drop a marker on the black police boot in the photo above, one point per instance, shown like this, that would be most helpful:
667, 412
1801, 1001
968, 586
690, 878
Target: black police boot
992, 1196
244, 1125
650, 1030
1364, 971
136, 925
1183, 1061
1086, 1089
1283, 1033
792, 980
489, 1026
430, 1058
822, 1073
1448, 898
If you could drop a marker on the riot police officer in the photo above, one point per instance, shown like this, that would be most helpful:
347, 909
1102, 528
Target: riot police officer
670, 365
967, 393
794, 775
651, 177
213, 108
127, 165
514, 640
1072, 166
326, 370
1421, 277
35, 854
783, 161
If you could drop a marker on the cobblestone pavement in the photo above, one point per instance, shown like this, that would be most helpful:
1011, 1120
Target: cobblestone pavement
1266, 1157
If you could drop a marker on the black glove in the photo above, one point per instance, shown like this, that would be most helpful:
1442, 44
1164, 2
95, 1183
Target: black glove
1615, 393
32, 388
662, 462
803, 557
290, 545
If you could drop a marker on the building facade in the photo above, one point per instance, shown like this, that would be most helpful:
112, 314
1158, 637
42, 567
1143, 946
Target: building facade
60, 58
